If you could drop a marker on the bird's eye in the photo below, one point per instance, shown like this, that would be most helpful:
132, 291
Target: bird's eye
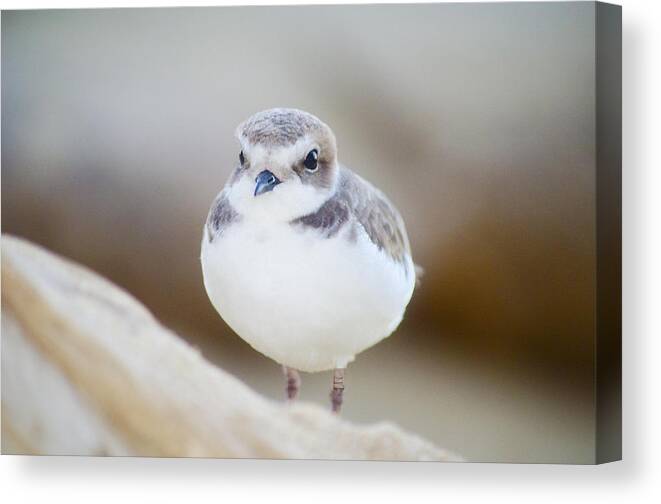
242, 158
311, 160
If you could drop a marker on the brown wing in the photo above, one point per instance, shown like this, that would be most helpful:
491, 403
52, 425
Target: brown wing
358, 203
221, 215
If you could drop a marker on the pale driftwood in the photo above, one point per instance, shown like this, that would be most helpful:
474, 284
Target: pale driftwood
86, 369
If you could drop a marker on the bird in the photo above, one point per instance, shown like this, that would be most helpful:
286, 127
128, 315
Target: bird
305, 260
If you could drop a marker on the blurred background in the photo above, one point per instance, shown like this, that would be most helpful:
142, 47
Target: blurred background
476, 119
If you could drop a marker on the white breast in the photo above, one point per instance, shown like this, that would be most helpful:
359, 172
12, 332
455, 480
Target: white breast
308, 302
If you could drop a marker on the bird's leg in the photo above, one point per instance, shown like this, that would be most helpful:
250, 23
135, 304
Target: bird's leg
338, 389
293, 382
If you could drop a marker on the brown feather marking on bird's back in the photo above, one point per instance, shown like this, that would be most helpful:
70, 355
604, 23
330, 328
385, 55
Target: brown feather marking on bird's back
221, 215
356, 202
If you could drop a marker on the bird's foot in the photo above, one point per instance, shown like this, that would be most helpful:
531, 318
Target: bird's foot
293, 382
337, 391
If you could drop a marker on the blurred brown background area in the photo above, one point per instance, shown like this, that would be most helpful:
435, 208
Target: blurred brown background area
476, 119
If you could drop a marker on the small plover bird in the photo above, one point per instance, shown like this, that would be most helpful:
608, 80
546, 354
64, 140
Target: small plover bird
305, 260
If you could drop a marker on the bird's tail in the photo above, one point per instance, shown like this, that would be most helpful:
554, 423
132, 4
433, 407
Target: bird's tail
419, 273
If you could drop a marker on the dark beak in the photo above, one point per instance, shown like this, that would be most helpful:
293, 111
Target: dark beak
266, 181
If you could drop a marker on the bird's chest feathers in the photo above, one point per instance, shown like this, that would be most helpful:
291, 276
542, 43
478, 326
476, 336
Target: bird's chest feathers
292, 291
285, 266
278, 259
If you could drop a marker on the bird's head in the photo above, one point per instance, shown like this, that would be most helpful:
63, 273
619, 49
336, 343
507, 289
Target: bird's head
287, 165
